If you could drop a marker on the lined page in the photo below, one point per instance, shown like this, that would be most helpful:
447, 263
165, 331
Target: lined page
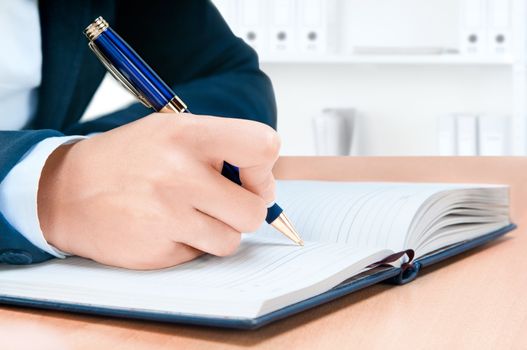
346, 227
263, 269
360, 214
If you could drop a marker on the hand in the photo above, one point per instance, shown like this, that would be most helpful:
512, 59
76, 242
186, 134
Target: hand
150, 194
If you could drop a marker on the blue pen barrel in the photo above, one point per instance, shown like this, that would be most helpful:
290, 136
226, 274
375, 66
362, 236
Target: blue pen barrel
134, 69
232, 173
149, 87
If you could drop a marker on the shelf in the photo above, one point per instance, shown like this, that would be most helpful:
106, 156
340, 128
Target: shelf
390, 59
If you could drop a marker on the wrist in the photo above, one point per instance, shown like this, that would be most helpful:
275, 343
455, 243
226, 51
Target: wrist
51, 194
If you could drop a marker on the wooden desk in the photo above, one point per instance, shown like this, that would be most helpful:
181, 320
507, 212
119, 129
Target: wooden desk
477, 300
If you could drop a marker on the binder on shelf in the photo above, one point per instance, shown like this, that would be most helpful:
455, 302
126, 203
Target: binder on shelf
316, 26
493, 135
473, 33
447, 135
252, 23
500, 26
467, 135
282, 26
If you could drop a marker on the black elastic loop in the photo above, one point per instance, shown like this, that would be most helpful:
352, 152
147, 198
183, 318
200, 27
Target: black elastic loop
394, 257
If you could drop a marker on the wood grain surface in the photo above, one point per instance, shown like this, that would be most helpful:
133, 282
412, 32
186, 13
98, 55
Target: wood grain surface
475, 301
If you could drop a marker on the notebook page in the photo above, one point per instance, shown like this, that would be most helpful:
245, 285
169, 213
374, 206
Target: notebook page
466, 214
238, 286
363, 215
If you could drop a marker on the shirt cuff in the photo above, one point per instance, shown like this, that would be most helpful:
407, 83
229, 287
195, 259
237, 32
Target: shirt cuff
19, 190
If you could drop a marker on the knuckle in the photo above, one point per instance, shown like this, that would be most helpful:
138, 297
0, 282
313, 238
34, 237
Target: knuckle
230, 244
158, 178
270, 142
173, 171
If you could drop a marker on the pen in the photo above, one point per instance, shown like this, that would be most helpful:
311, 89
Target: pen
137, 77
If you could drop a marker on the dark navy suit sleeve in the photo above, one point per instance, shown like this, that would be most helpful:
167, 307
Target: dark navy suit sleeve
191, 47
14, 247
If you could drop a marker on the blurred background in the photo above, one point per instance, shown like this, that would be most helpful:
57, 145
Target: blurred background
386, 77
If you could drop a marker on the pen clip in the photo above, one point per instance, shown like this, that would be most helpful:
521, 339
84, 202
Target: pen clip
118, 76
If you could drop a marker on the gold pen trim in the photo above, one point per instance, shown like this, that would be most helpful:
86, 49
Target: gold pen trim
92, 32
96, 28
175, 105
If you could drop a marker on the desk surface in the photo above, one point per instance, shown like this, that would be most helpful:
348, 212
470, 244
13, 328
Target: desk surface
476, 300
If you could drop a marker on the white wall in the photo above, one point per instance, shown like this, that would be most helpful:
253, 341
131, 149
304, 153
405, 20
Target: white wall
398, 104
109, 97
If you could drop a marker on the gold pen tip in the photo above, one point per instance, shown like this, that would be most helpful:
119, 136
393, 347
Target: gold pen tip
285, 226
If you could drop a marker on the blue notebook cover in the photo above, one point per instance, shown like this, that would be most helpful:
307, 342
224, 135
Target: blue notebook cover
387, 275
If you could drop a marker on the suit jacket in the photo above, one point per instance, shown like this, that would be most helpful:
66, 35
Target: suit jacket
185, 41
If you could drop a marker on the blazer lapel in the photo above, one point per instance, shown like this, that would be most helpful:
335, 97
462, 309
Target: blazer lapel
62, 22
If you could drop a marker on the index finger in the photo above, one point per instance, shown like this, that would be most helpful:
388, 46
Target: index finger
253, 147
243, 143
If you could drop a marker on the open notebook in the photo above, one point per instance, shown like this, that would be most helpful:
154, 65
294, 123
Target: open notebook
347, 227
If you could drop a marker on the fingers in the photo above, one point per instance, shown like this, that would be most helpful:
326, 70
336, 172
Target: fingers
179, 253
170, 252
212, 236
253, 147
224, 200
244, 143
265, 189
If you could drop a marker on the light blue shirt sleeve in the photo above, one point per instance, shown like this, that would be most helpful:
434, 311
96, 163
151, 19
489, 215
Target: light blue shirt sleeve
19, 189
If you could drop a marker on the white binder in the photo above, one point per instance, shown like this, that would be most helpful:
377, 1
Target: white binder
447, 135
282, 26
317, 23
252, 24
473, 33
500, 26
493, 135
467, 135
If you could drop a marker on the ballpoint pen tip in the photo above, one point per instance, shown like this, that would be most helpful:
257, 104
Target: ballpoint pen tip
285, 226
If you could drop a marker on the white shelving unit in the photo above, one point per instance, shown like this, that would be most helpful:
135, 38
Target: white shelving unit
450, 59
517, 66
519, 77
514, 63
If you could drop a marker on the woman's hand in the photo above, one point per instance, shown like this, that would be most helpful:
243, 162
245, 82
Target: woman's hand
150, 194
